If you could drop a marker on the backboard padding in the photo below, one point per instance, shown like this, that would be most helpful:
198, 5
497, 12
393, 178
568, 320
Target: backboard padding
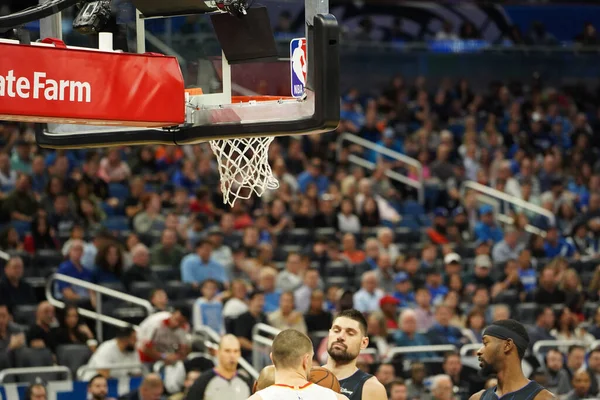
164, 8
246, 39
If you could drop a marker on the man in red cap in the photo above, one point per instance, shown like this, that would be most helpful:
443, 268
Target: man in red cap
389, 305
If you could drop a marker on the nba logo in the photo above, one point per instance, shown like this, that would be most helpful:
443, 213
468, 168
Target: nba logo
298, 66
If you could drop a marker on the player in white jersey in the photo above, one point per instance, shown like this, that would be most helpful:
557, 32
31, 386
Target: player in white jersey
292, 354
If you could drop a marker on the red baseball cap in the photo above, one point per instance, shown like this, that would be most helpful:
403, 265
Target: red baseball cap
388, 300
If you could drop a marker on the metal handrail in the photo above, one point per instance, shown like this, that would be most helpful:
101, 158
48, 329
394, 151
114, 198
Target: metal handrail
421, 349
393, 175
262, 340
554, 343
478, 187
506, 219
210, 332
551, 343
258, 339
465, 349
99, 290
35, 370
266, 328
85, 368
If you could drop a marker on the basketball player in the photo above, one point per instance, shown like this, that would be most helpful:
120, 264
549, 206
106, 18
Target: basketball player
504, 345
265, 379
292, 354
347, 337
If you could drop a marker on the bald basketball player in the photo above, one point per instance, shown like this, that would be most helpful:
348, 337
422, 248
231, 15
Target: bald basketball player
265, 379
347, 337
292, 354
504, 345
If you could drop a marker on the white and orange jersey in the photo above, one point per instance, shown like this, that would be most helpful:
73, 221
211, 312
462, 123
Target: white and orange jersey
309, 391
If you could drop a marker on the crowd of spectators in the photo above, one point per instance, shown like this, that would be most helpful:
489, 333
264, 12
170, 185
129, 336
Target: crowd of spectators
150, 221
402, 29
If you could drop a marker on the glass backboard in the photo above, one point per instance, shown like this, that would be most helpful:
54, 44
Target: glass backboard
236, 68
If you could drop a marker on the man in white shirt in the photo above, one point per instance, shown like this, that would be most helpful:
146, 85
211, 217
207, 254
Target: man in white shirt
116, 352
164, 336
221, 253
303, 293
366, 300
291, 278
386, 243
208, 309
237, 303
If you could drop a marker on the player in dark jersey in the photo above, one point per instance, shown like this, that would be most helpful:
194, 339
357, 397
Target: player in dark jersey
347, 337
504, 345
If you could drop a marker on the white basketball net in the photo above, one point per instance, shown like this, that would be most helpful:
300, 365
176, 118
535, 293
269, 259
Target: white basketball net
244, 167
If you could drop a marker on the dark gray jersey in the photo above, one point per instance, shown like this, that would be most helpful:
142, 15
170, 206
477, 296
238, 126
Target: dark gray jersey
212, 386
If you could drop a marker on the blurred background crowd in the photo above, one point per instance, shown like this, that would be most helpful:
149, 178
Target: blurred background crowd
496, 214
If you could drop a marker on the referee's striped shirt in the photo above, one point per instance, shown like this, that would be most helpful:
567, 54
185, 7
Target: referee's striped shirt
212, 386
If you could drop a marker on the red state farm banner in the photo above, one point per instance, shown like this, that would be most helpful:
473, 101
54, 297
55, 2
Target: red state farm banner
63, 85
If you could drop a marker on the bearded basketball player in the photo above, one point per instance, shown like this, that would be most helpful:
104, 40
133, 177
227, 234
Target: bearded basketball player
292, 354
347, 337
504, 345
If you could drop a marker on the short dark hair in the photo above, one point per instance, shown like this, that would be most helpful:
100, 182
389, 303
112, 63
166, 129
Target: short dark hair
185, 313
289, 346
209, 280
574, 347
449, 354
203, 242
395, 382
553, 349
33, 386
594, 350
517, 328
539, 311
255, 293
97, 376
124, 332
422, 288
356, 316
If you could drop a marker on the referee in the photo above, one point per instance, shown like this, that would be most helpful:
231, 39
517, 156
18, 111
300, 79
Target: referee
223, 381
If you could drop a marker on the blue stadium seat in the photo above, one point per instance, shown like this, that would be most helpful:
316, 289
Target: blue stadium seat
22, 227
116, 223
118, 286
109, 210
73, 356
341, 281
413, 208
425, 220
132, 315
589, 309
329, 233
167, 273
141, 289
150, 188
297, 236
118, 190
181, 290
508, 297
410, 222
47, 259
25, 314
526, 313
26, 357
26, 257
336, 269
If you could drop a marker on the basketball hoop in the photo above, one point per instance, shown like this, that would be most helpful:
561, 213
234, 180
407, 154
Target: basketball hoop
244, 167
244, 162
